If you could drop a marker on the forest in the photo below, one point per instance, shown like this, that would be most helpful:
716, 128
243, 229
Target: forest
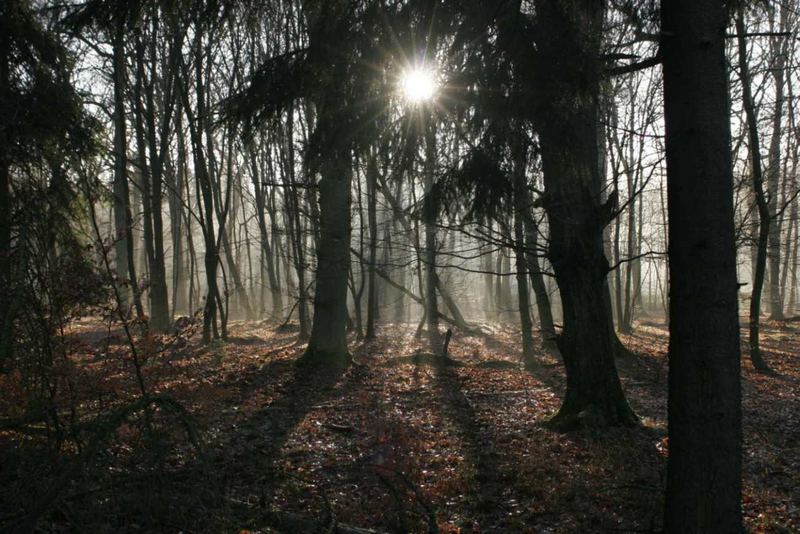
399, 266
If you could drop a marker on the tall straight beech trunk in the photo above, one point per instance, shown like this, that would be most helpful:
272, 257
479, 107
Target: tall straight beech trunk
429, 219
498, 278
204, 180
372, 295
487, 265
505, 279
705, 433
123, 220
276, 246
774, 171
566, 116
546, 326
626, 320
228, 238
157, 143
357, 287
261, 201
520, 207
174, 179
792, 302
294, 222
789, 281
618, 287
397, 296
150, 180
762, 205
120, 188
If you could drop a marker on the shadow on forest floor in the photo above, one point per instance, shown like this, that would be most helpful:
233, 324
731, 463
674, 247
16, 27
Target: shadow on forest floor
400, 444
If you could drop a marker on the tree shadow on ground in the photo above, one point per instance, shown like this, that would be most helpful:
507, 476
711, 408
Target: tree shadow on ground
488, 481
262, 436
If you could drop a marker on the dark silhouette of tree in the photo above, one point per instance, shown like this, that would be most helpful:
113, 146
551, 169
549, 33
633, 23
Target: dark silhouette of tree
705, 432
41, 123
563, 73
762, 203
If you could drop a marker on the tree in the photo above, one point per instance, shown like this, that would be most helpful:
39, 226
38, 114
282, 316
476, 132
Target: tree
705, 433
521, 208
778, 66
762, 203
159, 95
116, 19
262, 205
42, 123
205, 172
546, 326
7, 15
372, 290
328, 341
563, 72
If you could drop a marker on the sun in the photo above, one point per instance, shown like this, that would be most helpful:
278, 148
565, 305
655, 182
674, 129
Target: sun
418, 85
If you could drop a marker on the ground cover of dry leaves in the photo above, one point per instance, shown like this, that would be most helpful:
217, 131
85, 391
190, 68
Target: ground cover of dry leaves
394, 442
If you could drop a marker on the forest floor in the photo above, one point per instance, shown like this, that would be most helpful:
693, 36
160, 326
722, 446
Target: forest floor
393, 443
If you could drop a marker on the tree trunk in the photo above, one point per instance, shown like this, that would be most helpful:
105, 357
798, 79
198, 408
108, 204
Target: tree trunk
764, 218
705, 433
204, 183
429, 219
774, 171
328, 342
790, 267
618, 295
520, 207
123, 219
399, 309
6, 309
295, 226
357, 291
546, 326
498, 283
159, 312
626, 321
238, 286
175, 182
260, 196
372, 296
505, 279
157, 142
194, 278
792, 303
637, 263
566, 118
487, 265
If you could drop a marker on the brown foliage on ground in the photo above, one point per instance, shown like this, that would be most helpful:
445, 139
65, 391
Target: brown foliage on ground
394, 443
